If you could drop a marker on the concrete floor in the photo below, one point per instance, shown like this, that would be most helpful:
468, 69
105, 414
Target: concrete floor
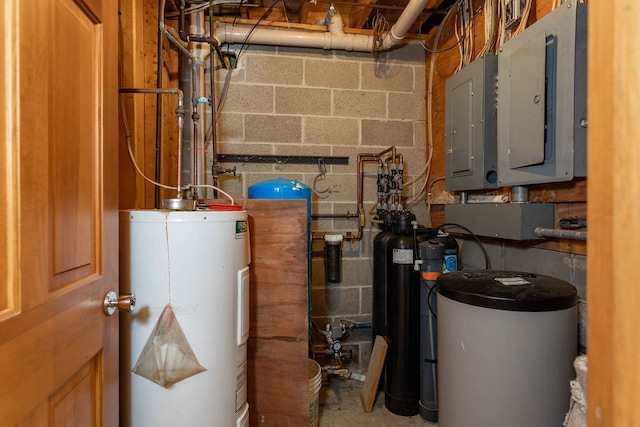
340, 406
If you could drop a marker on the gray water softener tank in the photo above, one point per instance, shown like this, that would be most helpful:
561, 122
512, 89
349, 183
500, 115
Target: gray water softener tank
506, 345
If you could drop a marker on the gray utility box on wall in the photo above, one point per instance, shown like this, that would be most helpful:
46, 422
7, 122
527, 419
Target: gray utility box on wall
514, 221
542, 109
470, 126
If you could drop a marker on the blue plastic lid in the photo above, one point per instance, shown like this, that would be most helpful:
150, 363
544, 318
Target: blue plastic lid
281, 188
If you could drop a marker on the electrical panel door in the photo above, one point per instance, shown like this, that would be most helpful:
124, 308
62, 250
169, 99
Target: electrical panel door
524, 103
542, 100
470, 126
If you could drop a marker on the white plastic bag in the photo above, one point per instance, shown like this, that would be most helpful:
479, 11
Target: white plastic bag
167, 357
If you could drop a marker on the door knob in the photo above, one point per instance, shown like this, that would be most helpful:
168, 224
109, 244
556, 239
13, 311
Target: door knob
123, 303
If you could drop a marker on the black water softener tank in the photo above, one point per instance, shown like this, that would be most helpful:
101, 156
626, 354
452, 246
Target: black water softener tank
402, 364
379, 294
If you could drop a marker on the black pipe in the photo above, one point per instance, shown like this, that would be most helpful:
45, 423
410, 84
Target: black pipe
181, 23
185, 78
156, 195
212, 98
281, 159
432, 255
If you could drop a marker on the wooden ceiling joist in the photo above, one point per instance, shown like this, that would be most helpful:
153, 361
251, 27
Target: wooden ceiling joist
356, 14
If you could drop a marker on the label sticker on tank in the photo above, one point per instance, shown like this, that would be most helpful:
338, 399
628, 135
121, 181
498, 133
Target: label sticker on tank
241, 385
512, 281
241, 229
450, 263
403, 256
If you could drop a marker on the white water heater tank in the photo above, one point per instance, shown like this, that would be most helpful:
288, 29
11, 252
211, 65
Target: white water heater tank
196, 262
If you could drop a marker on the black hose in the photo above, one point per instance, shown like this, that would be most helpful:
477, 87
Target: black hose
487, 262
429, 301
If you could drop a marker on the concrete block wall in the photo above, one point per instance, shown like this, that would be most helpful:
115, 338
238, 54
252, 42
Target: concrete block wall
504, 255
294, 101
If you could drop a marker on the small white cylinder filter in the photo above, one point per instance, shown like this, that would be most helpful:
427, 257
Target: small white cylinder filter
197, 262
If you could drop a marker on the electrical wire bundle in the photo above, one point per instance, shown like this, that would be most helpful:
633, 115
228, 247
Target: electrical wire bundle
464, 33
490, 27
380, 27
524, 17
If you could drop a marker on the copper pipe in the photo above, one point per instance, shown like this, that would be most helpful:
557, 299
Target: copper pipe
361, 158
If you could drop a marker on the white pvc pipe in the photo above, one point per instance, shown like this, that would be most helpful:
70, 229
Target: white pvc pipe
330, 40
404, 23
336, 25
237, 34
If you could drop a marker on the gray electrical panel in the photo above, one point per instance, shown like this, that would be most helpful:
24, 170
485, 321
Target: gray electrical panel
542, 110
470, 126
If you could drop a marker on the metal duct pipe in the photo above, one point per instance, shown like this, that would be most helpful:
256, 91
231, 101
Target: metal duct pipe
166, 31
199, 52
229, 33
185, 75
519, 194
557, 233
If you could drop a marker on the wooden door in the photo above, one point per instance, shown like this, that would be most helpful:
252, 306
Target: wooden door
613, 211
58, 212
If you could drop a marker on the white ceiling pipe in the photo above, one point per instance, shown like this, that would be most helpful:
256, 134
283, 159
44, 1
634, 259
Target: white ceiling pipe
403, 24
237, 34
330, 40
